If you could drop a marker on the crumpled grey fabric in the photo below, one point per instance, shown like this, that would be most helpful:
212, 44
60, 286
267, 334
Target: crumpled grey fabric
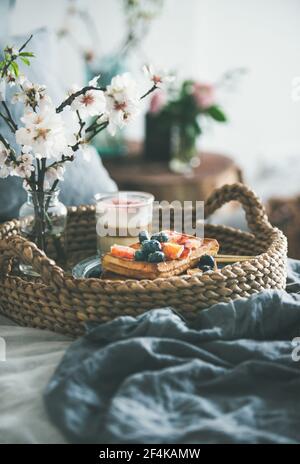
229, 378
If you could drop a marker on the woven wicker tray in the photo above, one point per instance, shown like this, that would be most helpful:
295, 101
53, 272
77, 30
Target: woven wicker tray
58, 302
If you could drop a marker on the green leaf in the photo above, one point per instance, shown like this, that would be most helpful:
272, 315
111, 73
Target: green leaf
216, 113
25, 61
15, 68
197, 127
29, 54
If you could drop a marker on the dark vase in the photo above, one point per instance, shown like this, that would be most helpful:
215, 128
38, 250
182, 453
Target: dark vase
158, 145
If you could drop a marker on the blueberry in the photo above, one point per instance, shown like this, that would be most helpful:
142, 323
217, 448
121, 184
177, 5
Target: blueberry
206, 268
143, 235
206, 260
161, 237
140, 256
150, 246
156, 257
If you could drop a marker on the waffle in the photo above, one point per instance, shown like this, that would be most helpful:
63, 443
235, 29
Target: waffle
144, 270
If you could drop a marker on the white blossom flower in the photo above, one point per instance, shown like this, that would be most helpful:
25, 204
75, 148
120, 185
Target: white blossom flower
27, 158
91, 103
52, 174
13, 51
158, 77
10, 78
26, 149
44, 132
122, 102
31, 94
23, 168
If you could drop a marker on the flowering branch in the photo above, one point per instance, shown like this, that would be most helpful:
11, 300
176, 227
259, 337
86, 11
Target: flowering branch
13, 57
63, 160
46, 143
153, 88
97, 129
68, 101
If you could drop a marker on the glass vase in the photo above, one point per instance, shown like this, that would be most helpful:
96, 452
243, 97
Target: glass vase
184, 153
43, 220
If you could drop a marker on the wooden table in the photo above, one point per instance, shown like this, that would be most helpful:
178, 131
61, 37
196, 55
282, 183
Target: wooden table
133, 172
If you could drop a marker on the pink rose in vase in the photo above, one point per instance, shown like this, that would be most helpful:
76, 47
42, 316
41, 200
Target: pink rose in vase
204, 95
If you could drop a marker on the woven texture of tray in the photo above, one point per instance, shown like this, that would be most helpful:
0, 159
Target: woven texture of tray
58, 302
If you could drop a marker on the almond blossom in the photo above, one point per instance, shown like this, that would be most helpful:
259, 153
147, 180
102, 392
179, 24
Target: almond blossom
58, 133
122, 102
90, 103
158, 77
13, 51
31, 94
12, 80
44, 132
24, 166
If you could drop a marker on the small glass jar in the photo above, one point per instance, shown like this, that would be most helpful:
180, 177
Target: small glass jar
43, 220
121, 216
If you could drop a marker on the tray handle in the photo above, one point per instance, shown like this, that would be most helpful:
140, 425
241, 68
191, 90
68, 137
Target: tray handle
256, 216
27, 252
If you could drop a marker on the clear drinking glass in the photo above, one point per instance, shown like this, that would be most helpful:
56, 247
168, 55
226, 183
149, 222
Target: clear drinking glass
121, 216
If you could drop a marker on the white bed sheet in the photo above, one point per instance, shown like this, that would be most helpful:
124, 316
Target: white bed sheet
31, 358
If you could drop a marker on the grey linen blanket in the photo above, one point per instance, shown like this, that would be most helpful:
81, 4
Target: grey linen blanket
228, 378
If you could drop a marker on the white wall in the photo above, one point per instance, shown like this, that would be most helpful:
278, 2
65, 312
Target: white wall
202, 39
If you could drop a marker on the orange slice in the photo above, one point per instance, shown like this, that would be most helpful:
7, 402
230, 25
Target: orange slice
120, 251
172, 250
